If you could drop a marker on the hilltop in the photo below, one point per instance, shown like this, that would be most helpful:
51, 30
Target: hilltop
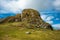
17, 27
31, 17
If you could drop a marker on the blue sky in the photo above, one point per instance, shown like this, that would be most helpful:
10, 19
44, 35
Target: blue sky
49, 9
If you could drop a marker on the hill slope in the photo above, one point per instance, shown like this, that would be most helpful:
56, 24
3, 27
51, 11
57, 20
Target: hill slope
10, 31
31, 16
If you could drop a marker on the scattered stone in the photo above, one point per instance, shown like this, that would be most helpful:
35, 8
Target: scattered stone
28, 32
16, 20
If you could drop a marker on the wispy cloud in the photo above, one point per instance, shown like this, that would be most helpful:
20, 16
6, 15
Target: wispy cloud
10, 6
56, 26
17, 5
52, 20
56, 4
47, 18
44, 17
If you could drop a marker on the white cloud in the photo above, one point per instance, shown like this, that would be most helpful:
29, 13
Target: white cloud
47, 18
56, 3
12, 6
56, 26
17, 5
44, 17
50, 22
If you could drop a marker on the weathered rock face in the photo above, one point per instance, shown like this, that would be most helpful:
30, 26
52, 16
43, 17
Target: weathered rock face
30, 13
32, 17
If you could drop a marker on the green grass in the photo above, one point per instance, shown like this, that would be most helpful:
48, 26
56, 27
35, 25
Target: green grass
10, 31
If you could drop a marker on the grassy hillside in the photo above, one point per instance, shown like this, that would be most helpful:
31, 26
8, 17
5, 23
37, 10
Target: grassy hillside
12, 31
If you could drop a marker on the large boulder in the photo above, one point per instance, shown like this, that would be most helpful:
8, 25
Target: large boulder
33, 17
